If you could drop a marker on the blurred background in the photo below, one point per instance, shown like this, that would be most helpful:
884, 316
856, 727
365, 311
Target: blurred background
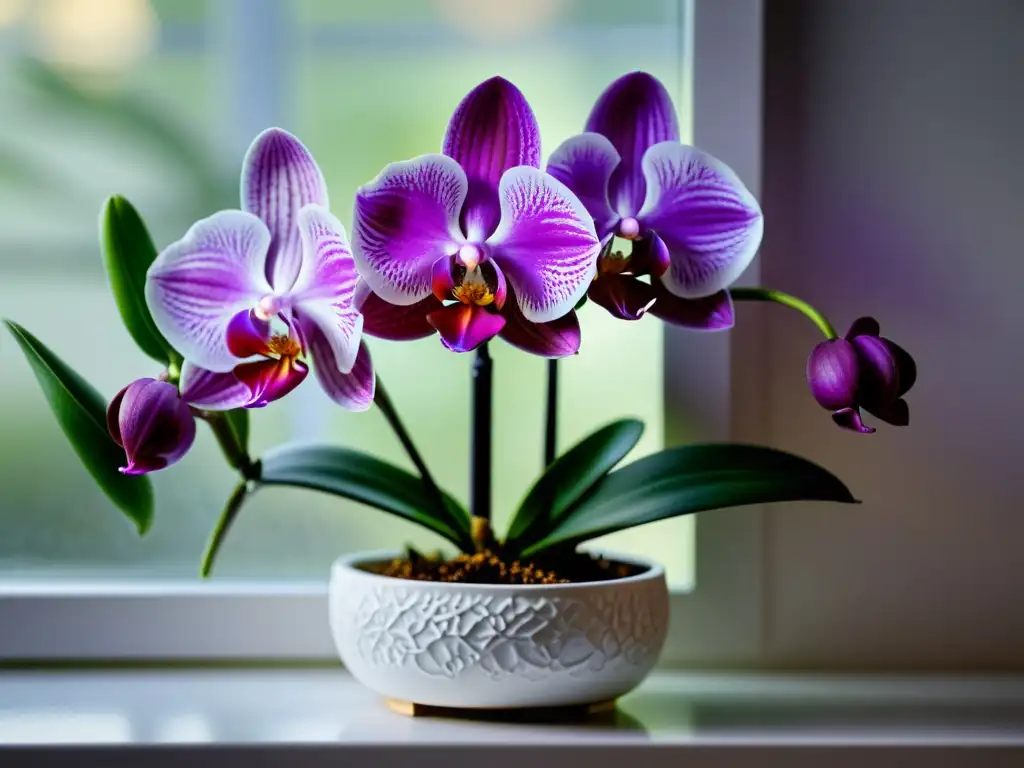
157, 100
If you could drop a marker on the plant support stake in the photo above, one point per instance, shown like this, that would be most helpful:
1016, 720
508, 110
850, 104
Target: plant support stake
551, 415
480, 448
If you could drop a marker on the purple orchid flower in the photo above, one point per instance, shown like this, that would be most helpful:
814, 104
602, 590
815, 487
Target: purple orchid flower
506, 249
694, 226
256, 290
154, 422
862, 370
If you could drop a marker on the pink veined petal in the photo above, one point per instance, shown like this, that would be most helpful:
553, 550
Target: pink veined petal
197, 285
558, 338
709, 220
269, 380
709, 313
493, 129
404, 221
464, 327
634, 113
398, 323
354, 390
546, 243
324, 292
279, 177
585, 164
211, 391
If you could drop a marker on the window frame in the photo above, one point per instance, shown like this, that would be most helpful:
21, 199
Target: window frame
718, 622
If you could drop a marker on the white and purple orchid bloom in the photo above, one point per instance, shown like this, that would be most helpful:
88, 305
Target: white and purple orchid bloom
478, 240
151, 419
257, 291
694, 226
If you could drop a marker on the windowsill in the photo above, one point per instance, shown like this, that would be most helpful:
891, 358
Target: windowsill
272, 717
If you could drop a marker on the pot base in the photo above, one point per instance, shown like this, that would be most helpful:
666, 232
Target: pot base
573, 712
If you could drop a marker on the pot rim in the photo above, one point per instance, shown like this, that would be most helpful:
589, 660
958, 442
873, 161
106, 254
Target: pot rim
349, 564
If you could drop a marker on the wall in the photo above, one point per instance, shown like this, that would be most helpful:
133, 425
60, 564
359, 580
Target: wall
894, 186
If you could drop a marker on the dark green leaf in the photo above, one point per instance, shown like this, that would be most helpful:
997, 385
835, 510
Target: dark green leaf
569, 477
81, 413
128, 252
239, 421
695, 478
359, 476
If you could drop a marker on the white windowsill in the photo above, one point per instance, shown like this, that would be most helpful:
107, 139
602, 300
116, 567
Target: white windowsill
256, 718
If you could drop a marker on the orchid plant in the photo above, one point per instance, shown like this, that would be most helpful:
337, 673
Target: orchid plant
473, 243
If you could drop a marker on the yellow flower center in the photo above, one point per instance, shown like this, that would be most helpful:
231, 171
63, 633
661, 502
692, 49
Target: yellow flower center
614, 263
474, 289
283, 345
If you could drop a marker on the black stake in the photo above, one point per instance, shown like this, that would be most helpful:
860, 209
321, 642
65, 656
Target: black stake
551, 415
480, 458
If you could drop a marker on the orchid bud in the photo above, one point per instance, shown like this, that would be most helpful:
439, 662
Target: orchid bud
862, 370
152, 423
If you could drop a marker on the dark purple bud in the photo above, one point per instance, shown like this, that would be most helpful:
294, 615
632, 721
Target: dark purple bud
152, 423
833, 373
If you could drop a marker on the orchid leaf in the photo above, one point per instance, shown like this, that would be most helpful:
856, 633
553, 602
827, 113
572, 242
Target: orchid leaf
569, 477
361, 477
681, 481
128, 252
81, 413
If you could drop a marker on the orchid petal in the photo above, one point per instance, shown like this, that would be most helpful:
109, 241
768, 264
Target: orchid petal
493, 129
849, 418
279, 177
464, 327
546, 243
623, 296
863, 326
634, 113
269, 380
709, 313
324, 292
558, 338
649, 256
353, 390
585, 164
442, 281
247, 335
198, 284
710, 222
211, 391
896, 413
834, 374
398, 323
879, 376
405, 220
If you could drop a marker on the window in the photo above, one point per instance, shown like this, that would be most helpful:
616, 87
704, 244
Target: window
165, 123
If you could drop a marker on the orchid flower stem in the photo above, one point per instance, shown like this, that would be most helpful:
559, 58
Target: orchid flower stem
383, 401
229, 444
779, 297
480, 448
242, 491
551, 415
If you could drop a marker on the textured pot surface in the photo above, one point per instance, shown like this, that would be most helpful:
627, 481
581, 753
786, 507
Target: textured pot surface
496, 646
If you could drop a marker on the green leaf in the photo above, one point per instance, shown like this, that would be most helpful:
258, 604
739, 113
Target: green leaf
681, 481
81, 413
569, 477
359, 476
238, 419
128, 252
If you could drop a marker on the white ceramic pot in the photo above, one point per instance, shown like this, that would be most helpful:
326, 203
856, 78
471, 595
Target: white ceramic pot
497, 646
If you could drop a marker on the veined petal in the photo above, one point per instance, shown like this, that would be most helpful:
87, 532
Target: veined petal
269, 380
585, 164
558, 338
324, 292
279, 177
464, 327
353, 390
634, 113
398, 323
623, 296
405, 220
493, 129
709, 220
546, 243
708, 313
198, 284
442, 281
211, 391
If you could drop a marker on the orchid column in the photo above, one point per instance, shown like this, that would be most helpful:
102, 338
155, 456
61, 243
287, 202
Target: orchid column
484, 242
